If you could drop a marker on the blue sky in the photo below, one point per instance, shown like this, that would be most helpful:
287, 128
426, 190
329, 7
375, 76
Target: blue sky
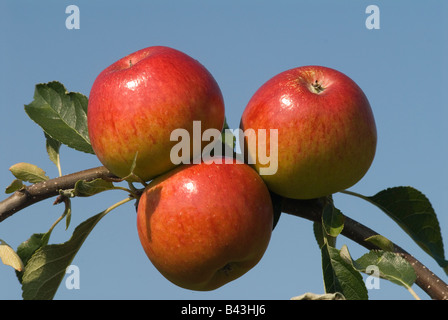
402, 68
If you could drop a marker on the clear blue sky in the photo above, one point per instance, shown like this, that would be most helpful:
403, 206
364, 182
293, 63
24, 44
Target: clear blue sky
402, 68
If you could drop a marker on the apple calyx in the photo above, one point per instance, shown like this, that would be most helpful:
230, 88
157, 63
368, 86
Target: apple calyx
227, 269
317, 87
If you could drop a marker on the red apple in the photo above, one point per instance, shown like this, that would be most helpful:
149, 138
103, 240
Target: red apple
326, 131
203, 225
137, 102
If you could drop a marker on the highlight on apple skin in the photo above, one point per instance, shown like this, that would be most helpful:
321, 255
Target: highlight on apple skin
136, 103
326, 131
204, 225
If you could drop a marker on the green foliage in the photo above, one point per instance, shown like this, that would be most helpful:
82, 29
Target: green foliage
27, 248
413, 212
46, 267
340, 276
391, 267
28, 172
332, 220
381, 242
61, 114
90, 188
53, 147
14, 186
46, 264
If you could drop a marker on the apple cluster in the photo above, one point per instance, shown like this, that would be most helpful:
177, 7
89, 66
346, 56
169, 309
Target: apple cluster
206, 223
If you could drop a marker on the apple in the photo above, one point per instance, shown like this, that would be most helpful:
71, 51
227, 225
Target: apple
326, 131
204, 225
136, 103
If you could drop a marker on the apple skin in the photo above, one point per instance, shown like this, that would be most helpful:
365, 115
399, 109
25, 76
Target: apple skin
204, 225
136, 103
326, 131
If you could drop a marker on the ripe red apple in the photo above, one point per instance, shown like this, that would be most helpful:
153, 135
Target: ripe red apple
326, 131
204, 225
137, 102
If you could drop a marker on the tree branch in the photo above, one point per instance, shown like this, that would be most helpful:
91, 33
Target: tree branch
307, 209
47, 189
435, 287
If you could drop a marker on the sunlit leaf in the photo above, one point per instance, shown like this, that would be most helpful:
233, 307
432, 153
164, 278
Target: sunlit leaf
9, 257
14, 186
61, 114
28, 172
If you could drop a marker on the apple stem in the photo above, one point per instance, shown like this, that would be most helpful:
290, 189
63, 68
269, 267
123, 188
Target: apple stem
317, 87
130, 63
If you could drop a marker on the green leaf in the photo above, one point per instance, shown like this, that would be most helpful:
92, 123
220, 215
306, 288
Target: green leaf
332, 219
61, 114
9, 257
28, 172
53, 147
341, 276
381, 242
46, 267
38, 240
390, 266
27, 248
90, 188
15, 185
413, 212
321, 236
